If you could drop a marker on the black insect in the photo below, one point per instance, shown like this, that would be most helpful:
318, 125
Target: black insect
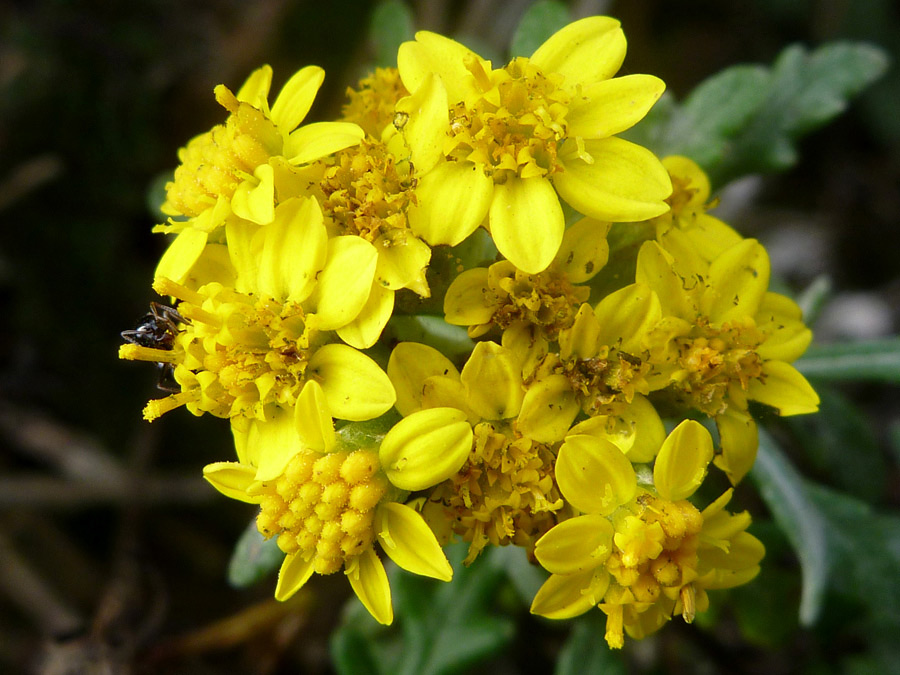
158, 330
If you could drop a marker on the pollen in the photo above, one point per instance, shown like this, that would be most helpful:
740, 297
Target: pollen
515, 126
371, 105
504, 494
334, 528
366, 191
610, 377
215, 163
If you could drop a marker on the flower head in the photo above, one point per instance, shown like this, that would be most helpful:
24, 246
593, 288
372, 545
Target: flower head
499, 144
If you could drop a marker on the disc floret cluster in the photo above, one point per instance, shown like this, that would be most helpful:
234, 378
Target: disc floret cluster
298, 246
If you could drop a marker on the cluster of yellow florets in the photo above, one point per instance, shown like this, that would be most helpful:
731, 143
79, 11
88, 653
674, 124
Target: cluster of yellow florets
543, 426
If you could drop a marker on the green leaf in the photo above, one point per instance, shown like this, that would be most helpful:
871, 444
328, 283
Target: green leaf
351, 652
876, 360
747, 119
439, 628
539, 22
392, 24
784, 491
452, 341
814, 298
253, 558
586, 651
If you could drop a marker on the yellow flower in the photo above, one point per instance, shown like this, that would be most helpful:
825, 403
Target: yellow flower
724, 339
641, 553
502, 491
539, 304
601, 365
328, 498
687, 229
248, 350
235, 166
499, 144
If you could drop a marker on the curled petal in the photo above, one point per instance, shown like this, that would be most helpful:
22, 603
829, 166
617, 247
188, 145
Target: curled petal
593, 475
355, 387
580, 341
312, 418
626, 316
402, 259
738, 281
465, 302
370, 583
293, 251
584, 250
656, 269
294, 573
433, 53
426, 447
564, 596
739, 438
493, 380
681, 464
276, 441
339, 297
231, 479
179, 258
576, 545
255, 89
254, 200
365, 329
410, 365
410, 543
548, 409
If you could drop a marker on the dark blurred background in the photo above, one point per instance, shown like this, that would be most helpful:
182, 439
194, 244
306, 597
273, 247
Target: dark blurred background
113, 550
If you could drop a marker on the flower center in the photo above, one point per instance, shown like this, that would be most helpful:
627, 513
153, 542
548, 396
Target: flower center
504, 493
515, 126
237, 355
712, 361
372, 105
608, 377
366, 193
547, 300
322, 507
215, 163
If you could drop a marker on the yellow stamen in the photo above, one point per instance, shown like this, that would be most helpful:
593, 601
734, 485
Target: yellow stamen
133, 352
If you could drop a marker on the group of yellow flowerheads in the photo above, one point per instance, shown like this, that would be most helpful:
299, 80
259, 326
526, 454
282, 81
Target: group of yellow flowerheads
296, 245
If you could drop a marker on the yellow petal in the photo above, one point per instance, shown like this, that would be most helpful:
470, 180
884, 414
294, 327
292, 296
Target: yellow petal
689, 171
636, 430
245, 243
781, 319
293, 574
277, 442
575, 545
255, 89
179, 258
312, 418
231, 479
365, 329
585, 51
493, 380
433, 53
339, 297
465, 303
296, 98
584, 250
681, 464
593, 475
687, 260
254, 200
739, 438
293, 251
410, 543
580, 340
626, 316
402, 259
527, 222
656, 269
785, 389
314, 141
426, 124
355, 387
738, 281
564, 596
608, 107
548, 409
622, 183
410, 365
446, 391
426, 447
453, 200
370, 583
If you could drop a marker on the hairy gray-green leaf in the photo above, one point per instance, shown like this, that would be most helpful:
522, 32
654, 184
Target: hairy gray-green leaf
877, 360
253, 558
539, 22
784, 491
